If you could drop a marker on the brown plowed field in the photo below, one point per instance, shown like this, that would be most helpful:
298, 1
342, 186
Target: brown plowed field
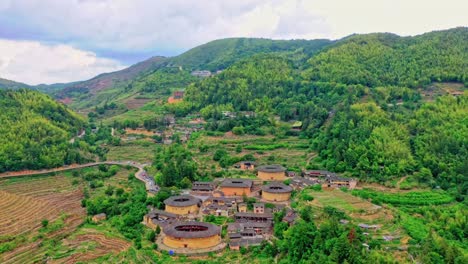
135, 103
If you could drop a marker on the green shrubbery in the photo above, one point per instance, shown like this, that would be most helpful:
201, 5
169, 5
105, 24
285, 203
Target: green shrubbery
405, 199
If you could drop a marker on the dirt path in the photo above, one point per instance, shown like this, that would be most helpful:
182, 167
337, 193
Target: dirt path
400, 181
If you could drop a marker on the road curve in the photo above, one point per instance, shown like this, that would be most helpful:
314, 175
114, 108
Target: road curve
151, 186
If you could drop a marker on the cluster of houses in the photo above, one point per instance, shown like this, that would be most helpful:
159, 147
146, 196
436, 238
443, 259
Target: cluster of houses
171, 130
252, 222
204, 73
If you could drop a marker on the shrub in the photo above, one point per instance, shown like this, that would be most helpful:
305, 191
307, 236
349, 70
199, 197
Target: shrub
45, 223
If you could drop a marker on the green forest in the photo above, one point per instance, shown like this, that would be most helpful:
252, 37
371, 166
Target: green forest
361, 101
36, 133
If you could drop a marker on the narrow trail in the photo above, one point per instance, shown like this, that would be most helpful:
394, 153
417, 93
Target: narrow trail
400, 181
141, 174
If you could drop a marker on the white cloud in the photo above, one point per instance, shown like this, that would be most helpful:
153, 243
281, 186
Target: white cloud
167, 27
34, 63
181, 24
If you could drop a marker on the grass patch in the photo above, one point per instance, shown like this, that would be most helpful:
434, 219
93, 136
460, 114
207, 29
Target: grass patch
132, 151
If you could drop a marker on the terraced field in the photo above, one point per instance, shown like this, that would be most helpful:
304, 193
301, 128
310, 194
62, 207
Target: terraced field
26, 201
101, 245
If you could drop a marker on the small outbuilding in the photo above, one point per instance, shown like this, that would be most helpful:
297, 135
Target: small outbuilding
99, 217
245, 165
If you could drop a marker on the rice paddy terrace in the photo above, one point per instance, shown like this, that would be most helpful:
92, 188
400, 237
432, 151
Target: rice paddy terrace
28, 201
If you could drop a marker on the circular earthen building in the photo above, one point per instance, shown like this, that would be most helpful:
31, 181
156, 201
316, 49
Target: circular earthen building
271, 173
182, 204
192, 235
276, 192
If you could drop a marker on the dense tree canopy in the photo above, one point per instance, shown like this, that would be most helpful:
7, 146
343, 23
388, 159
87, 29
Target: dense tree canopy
35, 131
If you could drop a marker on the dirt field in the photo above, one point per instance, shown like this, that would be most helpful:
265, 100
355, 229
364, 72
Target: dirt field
147, 133
134, 103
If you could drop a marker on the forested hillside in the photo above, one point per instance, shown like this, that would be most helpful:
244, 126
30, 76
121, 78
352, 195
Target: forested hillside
385, 59
362, 100
220, 54
7, 84
159, 76
35, 131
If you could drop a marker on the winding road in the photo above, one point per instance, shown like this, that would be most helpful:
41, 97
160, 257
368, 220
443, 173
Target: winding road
141, 174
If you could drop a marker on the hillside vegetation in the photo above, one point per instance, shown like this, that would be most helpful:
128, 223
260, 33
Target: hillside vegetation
158, 76
7, 84
35, 131
360, 99
220, 54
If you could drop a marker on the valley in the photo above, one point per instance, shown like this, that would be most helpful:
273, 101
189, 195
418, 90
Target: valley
245, 150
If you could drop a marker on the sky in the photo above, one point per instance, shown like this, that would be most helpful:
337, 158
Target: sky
52, 41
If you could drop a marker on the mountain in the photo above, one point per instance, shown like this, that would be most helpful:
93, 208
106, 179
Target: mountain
377, 106
160, 75
220, 54
7, 84
36, 131
105, 80
386, 59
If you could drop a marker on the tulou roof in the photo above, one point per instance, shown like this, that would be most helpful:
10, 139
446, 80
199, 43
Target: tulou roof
276, 187
239, 183
181, 200
272, 168
191, 230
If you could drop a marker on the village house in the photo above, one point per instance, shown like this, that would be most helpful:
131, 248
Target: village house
253, 217
298, 183
259, 208
202, 188
290, 217
242, 208
236, 187
245, 165
220, 206
203, 73
159, 218
219, 210
99, 217
250, 229
334, 181
315, 174
228, 114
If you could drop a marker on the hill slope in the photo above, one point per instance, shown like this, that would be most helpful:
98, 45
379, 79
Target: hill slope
220, 54
35, 131
362, 101
160, 74
105, 80
7, 84
385, 59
